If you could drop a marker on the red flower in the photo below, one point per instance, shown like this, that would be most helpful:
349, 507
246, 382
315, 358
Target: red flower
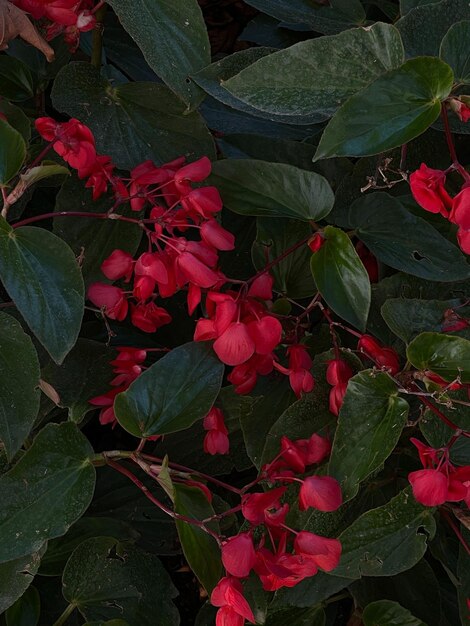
429, 486
320, 492
324, 552
460, 215
215, 235
460, 109
316, 242
112, 299
383, 357
216, 441
427, 187
262, 287
148, 317
282, 569
118, 265
228, 594
238, 555
265, 508
235, 345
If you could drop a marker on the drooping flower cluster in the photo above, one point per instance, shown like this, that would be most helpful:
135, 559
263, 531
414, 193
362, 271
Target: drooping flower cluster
383, 357
338, 374
280, 556
428, 189
216, 440
440, 481
67, 17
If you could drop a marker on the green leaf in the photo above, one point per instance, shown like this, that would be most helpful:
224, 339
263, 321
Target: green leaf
455, 51
84, 374
408, 317
407, 5
463, 571
423, 28
15, 578
445, 355
93, 238
26, 610
388, 613
17, 119
406, 101
172, 37
173, 393
105, 579
131, 122
337, 16
45, 170
314, 616
341, 278
16, 81
370, 423
292, 275
19, 384
404, 241
310, 591
199, 548
46, 491
253, 187
12, 152
315, 76
387, 540
43, 278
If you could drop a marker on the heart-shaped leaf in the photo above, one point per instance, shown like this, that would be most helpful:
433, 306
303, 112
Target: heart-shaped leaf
447, 356
386, 613
455, 50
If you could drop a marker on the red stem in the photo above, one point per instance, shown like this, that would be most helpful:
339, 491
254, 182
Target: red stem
98, 216
278, 259
456, 530
441, 415
450, 144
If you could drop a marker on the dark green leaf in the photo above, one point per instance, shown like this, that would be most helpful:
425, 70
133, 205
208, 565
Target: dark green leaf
310, 591
46, 491
15, 578
406, 101
388, 613
407, 5
12, 152
105, 579
445, 355
387, 540
19, 380
463, 571
455, 51
131, 122
316, 76
111, 622
200, 548
423, 28
84, 374
314, 616
341, 278
42, 277
172, 37
337, 16
16, 118
408, 317
173, 393
370, 423
252, 187
16, 81
25, 611
404, 241
292, 276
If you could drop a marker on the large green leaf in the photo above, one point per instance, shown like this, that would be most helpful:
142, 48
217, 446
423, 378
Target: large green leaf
16, 576
213, 78
445, 355
94, 239
387, 540
253, 187
173, 393
370, 423
405, 241
84, 374
46, 491
313, 616
43, 278
19, 381
16, 81
317, 75
105, 579
173, 38
16, 118
292, 275
341, 277
406, 101
463, 571
200, 548
455, 50
337, 16
388, 613
423, 28
12, 152
131, 122
26, 610
407, 5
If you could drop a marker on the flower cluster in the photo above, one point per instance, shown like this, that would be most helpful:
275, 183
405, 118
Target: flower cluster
439, 481
216, 440
383, 357
67, 17
280, 556
338, 374
428, 189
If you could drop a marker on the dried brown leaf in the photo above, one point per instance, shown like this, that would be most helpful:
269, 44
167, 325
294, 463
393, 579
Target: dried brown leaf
15, 23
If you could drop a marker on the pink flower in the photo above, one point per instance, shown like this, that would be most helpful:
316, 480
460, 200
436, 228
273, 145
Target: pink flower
238, 555
324, 552
110, 298
320, 492
429, 486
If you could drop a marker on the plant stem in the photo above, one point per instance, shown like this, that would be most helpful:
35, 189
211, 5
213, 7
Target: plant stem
450, 144
65, 615
456, 530
97, 49
442, 417
278, 259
